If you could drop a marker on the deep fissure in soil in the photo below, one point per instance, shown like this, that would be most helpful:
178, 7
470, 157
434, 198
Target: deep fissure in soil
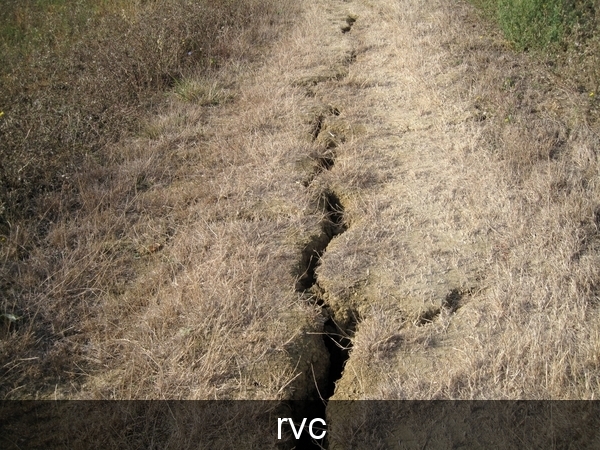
326, 161
317, 126
336, 339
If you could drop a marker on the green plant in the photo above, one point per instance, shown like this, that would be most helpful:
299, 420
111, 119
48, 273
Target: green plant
535, 24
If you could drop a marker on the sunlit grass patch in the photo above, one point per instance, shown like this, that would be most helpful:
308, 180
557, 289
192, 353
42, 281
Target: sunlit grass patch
202, 92
90, 144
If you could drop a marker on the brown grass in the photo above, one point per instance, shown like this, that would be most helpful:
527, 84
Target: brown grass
96, 270
468, 175
77, 77
475, 273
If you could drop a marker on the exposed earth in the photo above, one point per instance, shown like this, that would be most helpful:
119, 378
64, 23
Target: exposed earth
392, 204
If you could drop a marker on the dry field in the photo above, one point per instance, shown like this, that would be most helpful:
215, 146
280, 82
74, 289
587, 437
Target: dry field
390, 204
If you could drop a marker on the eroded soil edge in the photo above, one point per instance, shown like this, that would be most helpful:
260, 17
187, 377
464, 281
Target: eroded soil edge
337, 336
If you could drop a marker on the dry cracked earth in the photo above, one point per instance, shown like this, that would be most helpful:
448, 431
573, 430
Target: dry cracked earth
429, 261
394, 205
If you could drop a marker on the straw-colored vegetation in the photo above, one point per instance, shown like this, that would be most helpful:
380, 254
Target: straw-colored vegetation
109, 153
157, 238
472, 264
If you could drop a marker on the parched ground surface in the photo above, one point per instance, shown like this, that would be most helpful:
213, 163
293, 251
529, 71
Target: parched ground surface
469, 261
392, 205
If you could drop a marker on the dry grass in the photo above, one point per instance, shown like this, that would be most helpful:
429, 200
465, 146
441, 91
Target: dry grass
475, 267
77, 77
152, 274
468, 176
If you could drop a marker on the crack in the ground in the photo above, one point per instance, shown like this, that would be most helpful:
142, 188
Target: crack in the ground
317, 126
332, 225
336, 338
317, 123
350, 57
324, 156
326, 161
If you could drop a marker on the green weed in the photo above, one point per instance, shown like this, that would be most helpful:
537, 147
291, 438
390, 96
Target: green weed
540, 24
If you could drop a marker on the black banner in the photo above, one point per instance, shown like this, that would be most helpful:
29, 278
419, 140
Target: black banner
302, 425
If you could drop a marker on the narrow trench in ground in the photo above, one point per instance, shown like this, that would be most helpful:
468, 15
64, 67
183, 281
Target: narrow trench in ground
336, 340
325, 158
317, 126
